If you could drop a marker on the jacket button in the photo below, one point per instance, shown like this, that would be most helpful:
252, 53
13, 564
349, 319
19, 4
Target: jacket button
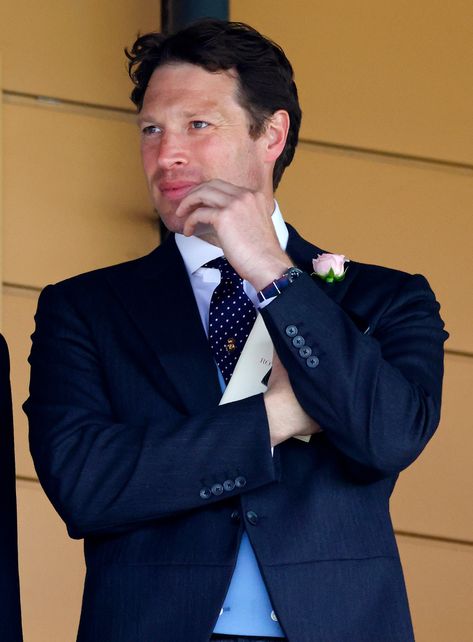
298, 341
205, 493
240, 482
217, 489
292, 330
305, 351
235, 516
252, 517
228, 485
312, 362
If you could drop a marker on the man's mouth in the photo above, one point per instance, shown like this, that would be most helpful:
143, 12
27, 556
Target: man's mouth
175, 190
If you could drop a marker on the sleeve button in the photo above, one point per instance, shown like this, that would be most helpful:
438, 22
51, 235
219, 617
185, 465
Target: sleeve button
205, 493
228, 485
312, 362
292, 330
217, 489
298, 341
240, 482
305, 352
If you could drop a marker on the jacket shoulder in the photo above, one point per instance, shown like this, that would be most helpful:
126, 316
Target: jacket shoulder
373, 276
97, 281
104, 273
359, 274
369, 293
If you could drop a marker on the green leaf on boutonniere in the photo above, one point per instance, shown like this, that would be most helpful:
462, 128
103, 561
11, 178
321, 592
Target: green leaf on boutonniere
330, 277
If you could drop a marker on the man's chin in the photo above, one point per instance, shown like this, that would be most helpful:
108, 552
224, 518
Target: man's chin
171, 222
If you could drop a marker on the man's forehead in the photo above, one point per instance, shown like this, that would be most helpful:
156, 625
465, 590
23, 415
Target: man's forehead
187, 82
170, 71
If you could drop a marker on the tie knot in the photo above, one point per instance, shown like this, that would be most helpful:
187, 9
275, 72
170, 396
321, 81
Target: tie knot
226, 270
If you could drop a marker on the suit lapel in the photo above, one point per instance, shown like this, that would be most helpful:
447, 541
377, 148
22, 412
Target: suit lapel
157, 295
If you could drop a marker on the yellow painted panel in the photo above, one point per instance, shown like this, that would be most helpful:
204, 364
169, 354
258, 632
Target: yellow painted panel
411, 216
75, 198
51, 569
435, 495
439, 580
384, 75
72, 50
19, 308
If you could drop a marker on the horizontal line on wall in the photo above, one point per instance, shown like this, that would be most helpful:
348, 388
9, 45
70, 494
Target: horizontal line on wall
18, 287
459, 353
93, 109
435, 538
69, 106
27, 478
393, 156
51, 100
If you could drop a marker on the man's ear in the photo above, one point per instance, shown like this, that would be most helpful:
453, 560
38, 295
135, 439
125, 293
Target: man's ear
275, 134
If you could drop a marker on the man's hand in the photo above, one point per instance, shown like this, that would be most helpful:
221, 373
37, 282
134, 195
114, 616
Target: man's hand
239, 221
286, 417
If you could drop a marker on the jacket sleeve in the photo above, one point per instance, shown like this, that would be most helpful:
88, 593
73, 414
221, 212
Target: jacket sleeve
105, 475
376, 395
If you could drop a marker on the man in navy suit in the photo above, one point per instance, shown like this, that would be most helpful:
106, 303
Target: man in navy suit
203, 521
10, 617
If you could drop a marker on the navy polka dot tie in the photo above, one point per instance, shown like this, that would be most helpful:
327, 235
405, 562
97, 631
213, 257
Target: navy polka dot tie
231, 317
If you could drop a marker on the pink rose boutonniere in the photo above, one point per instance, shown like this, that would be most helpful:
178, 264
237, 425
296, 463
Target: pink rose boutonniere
330, 267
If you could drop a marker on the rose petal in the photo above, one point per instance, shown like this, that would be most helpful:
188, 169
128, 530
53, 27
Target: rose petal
324, 262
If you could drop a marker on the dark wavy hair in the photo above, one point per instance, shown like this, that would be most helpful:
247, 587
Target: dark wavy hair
265, 75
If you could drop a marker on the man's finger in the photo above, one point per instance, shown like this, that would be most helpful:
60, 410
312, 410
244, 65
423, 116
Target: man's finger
213, 194
201, 216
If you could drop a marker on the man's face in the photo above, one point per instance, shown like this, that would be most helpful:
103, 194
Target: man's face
194, 130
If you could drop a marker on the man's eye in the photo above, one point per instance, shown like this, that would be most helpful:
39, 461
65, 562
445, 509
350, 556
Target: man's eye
199, 124
150, 129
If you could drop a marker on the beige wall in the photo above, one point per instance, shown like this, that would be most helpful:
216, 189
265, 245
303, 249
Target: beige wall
385, 175
74, 199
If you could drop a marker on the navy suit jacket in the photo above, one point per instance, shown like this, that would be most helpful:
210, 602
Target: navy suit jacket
127, 438
10, 618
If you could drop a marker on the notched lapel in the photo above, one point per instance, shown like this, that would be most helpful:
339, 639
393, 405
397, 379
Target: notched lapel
157, 295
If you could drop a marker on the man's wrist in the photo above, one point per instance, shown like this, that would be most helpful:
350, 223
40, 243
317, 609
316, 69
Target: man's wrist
278, 285
268, 271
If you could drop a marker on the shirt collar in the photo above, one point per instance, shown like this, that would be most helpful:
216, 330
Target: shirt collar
195, 251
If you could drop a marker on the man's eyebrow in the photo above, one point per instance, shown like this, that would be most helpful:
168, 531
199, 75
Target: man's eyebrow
211, 106
142, 117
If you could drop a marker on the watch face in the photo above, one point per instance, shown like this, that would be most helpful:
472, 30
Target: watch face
293, 273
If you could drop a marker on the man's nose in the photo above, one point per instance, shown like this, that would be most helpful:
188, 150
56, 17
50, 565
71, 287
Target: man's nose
172, 150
